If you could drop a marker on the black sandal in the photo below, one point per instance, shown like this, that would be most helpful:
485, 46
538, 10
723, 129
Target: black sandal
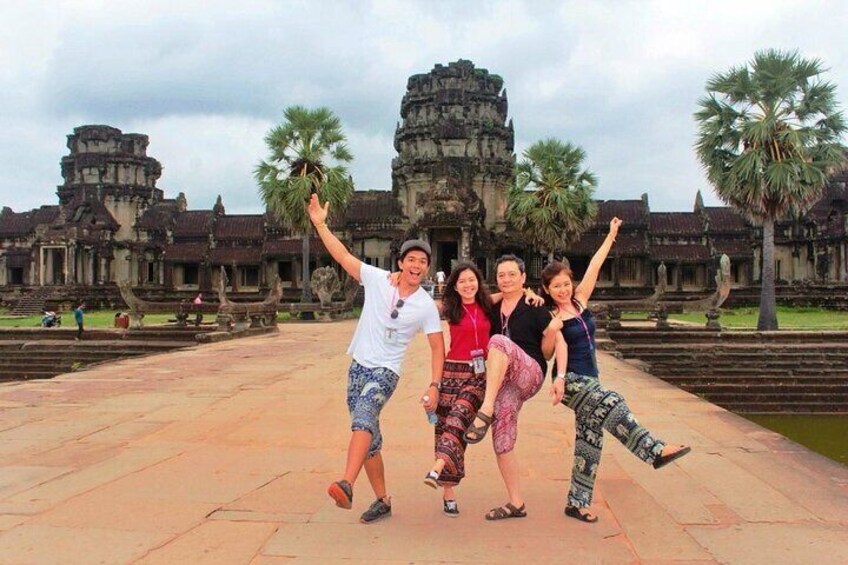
479, 432
575, 512
342, 493
664, 460
506, 511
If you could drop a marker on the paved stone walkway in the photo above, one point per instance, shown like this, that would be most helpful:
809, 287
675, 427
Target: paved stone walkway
222, 454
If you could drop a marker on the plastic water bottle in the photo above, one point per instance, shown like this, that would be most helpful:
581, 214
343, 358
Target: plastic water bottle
431, 414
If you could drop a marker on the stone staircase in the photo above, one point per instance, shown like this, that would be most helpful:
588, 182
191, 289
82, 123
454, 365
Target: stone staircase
32, 303
747, 372
30, 353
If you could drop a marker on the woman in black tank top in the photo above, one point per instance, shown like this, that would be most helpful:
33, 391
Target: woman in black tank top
578, 387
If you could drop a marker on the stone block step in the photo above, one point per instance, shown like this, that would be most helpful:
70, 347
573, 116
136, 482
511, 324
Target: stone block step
718, 368
759, 397
750, 379
785, 407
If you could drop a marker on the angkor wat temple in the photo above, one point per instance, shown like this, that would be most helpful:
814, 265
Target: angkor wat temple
453, 168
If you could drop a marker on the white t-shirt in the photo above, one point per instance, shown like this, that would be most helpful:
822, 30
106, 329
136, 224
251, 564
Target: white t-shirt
379, 340
440, 277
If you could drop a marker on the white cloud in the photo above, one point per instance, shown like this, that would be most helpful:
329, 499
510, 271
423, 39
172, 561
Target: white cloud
205, 81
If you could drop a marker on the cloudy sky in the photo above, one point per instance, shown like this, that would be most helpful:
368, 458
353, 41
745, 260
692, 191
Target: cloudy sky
206, 80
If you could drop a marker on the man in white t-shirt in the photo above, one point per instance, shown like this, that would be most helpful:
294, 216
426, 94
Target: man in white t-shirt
391, 316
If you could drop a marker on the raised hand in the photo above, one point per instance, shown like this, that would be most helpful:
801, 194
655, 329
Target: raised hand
615, 223
317, 213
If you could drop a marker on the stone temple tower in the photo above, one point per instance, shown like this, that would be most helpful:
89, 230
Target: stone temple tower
455, 160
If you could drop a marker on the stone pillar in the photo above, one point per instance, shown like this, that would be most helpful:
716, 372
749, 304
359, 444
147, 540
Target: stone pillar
678, 271
104, 270
465, 245
41, 266
71, 265
843, 257
615, 272
234, 282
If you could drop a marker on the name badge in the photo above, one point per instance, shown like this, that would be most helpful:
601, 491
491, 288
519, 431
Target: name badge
478, 363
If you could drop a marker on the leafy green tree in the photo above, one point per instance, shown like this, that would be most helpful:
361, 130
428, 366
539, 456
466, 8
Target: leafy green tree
769, 136
551, 202
307, 155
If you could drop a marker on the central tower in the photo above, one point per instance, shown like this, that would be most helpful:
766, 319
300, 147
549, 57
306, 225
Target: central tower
455, 160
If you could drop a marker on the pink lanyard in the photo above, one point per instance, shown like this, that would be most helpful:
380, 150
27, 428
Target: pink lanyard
474, 324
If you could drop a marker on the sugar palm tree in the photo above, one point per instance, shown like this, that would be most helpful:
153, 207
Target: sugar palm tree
307, 154
551, 202
769, 136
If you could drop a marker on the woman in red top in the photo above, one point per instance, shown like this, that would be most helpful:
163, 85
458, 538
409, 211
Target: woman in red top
467, 306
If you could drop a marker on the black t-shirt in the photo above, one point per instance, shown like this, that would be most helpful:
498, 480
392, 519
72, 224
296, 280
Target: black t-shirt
525, 327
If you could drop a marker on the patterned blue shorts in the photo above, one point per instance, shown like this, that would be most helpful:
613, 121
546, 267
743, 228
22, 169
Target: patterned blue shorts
368, 390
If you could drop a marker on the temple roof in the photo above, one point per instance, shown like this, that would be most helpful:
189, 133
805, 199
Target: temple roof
16, 224
159, 216
682, 253
723, 219
193, 223
369, 206
734, 248
630, 212
626, 245
676, 223
194, 252
239, 255
292, 246
247, 226
87, 209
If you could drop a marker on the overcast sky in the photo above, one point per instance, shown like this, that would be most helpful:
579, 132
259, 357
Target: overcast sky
206, 80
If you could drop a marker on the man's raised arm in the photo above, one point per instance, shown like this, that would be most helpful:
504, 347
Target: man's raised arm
337, 249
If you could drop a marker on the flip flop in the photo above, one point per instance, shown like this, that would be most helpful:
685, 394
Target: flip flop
664, 460
479, 432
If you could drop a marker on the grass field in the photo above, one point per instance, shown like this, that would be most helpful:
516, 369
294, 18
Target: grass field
787, 318
100, 319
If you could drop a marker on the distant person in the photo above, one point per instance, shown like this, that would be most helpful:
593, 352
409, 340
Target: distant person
578, 387
79, 317
440, 281
198, 300
391, 317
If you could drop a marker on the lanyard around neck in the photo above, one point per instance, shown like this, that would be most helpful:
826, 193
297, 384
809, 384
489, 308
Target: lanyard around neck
474, 324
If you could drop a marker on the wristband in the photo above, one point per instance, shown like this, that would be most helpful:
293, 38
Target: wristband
562, 376
437, 386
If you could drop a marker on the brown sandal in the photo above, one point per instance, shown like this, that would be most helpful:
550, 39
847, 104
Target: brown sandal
577, 513
506, 511
479, 432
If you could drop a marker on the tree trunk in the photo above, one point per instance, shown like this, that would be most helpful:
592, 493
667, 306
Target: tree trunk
307, 287
768, 302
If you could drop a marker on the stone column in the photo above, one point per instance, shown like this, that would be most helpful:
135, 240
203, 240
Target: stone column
41, 266
465, 245
615, 270
678, 271
71, 265
104, 270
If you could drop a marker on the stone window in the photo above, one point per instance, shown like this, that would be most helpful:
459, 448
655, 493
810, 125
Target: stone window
190, 274
690, 275
629, 271
249, 276
605, 276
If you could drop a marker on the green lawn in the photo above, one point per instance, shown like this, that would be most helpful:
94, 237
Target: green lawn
100, 319
787, 318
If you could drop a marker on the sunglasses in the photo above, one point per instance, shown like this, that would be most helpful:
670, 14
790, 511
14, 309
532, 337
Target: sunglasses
395, 313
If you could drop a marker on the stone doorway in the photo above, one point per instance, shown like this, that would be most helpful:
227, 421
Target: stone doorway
447, 255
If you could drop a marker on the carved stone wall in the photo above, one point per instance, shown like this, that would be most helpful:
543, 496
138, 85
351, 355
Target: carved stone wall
455, 148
